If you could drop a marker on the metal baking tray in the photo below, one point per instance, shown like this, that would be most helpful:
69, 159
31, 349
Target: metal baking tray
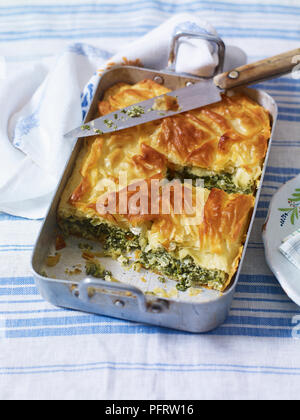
127, 299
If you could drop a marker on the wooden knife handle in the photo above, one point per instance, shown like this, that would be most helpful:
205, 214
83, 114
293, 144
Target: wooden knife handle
256, 72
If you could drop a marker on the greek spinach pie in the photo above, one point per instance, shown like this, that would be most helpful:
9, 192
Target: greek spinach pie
177, 193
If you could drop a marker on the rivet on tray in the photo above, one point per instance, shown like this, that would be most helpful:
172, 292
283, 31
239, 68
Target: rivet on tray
76, 293
159, 80
119, 303
156, 309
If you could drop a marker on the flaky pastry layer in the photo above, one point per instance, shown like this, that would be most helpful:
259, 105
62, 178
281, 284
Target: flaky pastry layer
227, 138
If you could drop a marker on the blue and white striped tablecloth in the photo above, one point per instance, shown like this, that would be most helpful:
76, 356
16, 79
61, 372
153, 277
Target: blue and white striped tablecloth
46, 352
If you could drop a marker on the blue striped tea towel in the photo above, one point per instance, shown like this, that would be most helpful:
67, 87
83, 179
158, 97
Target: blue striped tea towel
51, 353
60, 91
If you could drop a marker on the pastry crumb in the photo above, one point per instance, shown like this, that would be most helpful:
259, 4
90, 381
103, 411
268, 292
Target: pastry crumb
159, 291
74, 272
173, 293
53, 260
194, 292
60, 243
166, 103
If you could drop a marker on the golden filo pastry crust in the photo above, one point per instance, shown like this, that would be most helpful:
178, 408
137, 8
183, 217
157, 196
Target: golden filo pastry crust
122, 95
228, 137
215, 242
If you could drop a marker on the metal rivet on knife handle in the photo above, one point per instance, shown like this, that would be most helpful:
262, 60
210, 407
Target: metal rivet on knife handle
234, 74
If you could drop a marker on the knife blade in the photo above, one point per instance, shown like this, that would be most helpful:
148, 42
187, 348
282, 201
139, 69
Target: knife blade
203, 93
181, 100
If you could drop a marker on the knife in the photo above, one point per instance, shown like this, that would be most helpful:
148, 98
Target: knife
203, 93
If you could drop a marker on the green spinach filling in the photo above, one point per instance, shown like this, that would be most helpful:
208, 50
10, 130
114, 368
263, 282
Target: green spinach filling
223, 181
97, 270
186, 272
113, 238
118, 241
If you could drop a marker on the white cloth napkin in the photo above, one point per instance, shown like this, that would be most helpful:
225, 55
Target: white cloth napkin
290, 248
45, 100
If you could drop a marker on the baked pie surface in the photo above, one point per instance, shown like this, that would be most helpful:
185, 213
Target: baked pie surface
223, 145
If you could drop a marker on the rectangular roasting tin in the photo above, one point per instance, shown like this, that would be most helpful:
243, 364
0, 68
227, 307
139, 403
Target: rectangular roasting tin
139, 297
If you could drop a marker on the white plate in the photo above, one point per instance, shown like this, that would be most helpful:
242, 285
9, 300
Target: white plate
283, 219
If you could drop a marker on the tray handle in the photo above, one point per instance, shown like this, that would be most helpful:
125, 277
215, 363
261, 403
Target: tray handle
88, 289
207, 37
268, 68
